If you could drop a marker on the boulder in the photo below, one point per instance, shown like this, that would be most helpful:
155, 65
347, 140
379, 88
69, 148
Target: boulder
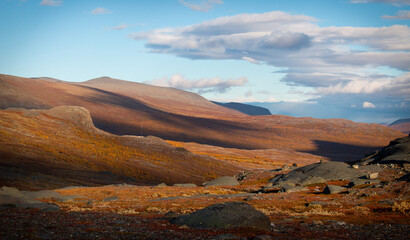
184, 185
372, 176
68, 198
10, 191
397, 152
110, 199
332, 189
223, 181
161, 185
226, 216
44, 207
359, 182
318, 173
7, 200
42, 194
291, 189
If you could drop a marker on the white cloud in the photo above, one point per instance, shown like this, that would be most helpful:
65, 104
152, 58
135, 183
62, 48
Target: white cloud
251, 60
119, 27
402, 14
201, 6
329, 60
368, 105
51, 3
100, 11
202, 85
394, 2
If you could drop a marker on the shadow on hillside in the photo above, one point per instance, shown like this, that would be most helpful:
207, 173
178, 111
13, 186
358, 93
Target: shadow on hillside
340, 152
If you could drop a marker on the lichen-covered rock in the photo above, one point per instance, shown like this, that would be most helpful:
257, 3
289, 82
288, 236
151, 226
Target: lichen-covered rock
226, 216
332, 189
223, 181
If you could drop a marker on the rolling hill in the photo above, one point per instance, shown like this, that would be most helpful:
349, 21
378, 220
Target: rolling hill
61, 147
128, 108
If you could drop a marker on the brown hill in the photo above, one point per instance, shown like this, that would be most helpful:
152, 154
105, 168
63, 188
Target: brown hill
61, 147
166, 99
126, 108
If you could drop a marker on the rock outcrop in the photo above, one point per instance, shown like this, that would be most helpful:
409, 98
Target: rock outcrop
226, 216
397, 152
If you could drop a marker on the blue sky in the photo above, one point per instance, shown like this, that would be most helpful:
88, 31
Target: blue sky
326, 59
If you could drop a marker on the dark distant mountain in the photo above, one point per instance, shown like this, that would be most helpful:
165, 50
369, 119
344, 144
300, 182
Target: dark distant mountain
402, 125
246, 108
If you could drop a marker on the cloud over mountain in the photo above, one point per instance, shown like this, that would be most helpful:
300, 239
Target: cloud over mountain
200, 85
329, 60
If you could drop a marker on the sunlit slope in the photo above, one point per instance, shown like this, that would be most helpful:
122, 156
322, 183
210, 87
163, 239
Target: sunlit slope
61, 147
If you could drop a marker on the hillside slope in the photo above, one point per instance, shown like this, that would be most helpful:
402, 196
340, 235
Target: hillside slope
61, 147
124, 114
166, 99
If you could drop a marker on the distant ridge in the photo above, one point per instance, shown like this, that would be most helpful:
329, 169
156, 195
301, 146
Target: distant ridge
246, 108
402, 125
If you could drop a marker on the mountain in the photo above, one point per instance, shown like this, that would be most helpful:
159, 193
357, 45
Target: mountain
402, 125
128, 108
245, 108
61, 147
166, 99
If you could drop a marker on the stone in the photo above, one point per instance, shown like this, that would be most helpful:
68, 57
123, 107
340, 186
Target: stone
42, 194
171, 214
110, 199
10, 191
355, 166
225, 216
332, 189
184, 185
318, 173
311, 181
359, 182
161, 185
6, 199
372, 176
223, 181
44, 207
291, 189
68, 198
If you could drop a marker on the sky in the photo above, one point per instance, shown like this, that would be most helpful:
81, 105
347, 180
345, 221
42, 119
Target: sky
319, 58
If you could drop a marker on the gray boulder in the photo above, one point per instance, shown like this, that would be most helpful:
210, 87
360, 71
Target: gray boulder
44, 207
42, 194
10, 191
68, 198
110, 199
397, 152
318, 173
291, 189
184, 185
332, 189
225, 216
223, 181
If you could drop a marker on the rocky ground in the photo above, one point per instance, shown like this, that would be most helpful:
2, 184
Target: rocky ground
369, 199
377, 209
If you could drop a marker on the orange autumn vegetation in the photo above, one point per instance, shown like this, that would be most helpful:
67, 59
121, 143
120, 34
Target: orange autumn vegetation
37, 142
